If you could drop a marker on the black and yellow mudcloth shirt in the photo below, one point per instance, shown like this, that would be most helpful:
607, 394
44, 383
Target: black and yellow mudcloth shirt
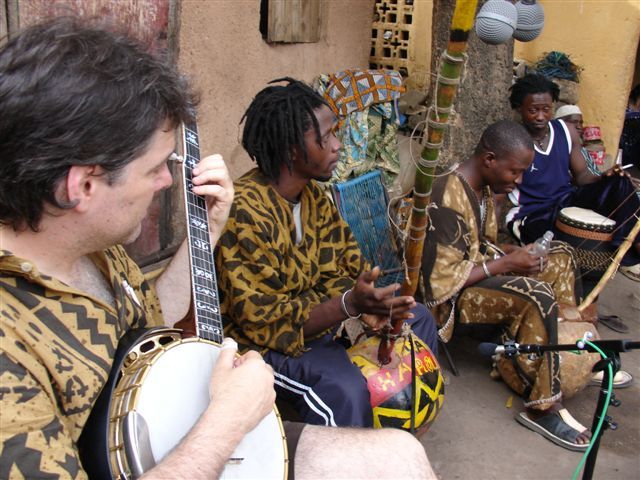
269, 284
56, 350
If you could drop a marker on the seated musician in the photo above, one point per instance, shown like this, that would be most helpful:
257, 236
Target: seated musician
472, 281
290, 270
558, 176
88, 123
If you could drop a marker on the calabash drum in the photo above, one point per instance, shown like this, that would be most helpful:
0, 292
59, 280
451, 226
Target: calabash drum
589, 233
390, 386
575, 369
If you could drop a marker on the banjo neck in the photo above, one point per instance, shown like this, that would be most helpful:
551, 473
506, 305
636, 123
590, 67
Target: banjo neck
204, 286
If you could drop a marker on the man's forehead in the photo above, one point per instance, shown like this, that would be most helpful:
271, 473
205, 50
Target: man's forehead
538, 98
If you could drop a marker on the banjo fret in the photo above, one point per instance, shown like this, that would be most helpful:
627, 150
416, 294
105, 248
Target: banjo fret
206, 305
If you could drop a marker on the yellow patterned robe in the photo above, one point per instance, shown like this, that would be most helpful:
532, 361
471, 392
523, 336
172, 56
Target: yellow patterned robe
268, 284
56, 350
526, 306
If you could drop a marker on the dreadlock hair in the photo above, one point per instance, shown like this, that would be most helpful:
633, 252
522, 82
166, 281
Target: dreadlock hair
275, 124
530, 84
504, 137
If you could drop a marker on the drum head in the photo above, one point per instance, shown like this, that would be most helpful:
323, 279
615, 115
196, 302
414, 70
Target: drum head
586, 219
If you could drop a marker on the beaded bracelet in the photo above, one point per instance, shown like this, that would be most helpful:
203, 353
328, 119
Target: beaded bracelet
344, 306
486, 269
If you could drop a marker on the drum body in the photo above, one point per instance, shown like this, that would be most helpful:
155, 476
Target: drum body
589, 233
575, 369
390, 386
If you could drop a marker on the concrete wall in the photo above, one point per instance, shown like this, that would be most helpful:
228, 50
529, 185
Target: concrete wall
602, 37
222, 49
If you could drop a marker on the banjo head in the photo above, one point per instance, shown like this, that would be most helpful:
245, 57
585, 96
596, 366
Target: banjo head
163, 394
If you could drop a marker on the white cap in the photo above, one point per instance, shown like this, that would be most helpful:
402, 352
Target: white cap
566, 110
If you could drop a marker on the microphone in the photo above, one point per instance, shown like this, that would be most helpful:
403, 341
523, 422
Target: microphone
496, 21
508, 349
488, 349
511, 348
530, 20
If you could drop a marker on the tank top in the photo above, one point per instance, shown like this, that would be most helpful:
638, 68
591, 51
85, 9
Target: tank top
548, 178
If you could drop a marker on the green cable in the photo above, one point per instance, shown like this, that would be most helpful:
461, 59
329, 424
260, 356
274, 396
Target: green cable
604, 410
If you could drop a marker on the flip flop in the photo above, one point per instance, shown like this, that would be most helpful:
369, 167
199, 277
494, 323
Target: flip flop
632, 272
614, 323
621, 379
552, 427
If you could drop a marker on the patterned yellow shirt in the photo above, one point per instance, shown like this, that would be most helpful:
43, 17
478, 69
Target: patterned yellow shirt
56, 349
268, 283
458, 239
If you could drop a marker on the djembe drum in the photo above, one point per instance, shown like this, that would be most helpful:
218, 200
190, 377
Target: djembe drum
590, 234
413, 368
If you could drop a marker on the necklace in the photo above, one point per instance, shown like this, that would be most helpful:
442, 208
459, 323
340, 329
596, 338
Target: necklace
481, 203
540, 141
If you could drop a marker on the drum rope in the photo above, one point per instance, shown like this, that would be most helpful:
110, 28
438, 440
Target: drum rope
597, 266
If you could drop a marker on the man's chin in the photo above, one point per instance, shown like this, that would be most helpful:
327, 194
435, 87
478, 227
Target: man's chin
324, 178
131, 238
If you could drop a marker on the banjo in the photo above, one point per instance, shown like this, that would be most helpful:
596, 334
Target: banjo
159, 383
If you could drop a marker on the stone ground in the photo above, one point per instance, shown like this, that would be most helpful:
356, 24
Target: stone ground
476, 437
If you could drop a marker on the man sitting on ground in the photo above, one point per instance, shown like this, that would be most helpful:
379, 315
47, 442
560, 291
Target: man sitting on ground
290, 269
472, 281
558, 176
87, 126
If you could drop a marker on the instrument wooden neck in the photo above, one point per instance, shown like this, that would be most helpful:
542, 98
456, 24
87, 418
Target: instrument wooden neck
204, 285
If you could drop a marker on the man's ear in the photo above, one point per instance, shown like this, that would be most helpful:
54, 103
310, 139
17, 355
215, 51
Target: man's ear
488, 159
295, 153
79, 186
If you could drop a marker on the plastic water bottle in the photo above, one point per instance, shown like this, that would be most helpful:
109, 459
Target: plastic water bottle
541, 246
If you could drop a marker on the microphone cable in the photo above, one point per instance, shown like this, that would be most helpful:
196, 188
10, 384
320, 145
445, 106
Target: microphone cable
604, 410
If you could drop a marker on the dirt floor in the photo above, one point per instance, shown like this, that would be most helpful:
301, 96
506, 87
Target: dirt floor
476, 436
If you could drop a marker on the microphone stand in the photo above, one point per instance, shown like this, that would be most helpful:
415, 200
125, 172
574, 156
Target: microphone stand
612, 349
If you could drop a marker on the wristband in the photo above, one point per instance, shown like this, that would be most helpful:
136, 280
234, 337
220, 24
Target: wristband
486, 269
344, 306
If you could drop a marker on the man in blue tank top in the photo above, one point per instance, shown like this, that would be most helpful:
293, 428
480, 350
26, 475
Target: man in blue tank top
559, 176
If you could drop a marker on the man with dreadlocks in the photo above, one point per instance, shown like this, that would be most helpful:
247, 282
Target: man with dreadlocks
559, 176
290, 269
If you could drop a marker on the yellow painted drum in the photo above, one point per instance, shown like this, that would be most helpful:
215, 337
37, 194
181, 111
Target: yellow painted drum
390, 386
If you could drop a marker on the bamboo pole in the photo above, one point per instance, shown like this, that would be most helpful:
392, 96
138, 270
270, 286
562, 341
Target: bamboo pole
613, 266
437, 124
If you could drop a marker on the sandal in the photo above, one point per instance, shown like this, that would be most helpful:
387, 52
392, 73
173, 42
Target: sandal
621, 379
632, 272
553, 427
614, 323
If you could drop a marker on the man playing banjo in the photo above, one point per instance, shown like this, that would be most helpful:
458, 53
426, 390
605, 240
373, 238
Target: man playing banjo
88, 123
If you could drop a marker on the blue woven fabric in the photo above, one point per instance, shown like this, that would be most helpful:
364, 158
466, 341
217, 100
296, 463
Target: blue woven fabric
362, 202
